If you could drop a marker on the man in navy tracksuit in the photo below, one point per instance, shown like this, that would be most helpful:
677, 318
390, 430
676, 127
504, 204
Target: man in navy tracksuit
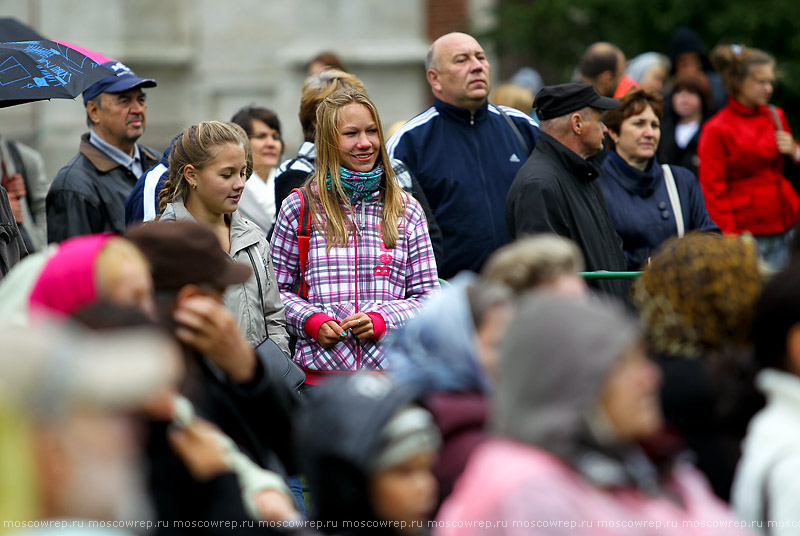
464, 152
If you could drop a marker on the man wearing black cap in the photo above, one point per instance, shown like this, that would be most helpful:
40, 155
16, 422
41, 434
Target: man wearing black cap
88, 194
556, 190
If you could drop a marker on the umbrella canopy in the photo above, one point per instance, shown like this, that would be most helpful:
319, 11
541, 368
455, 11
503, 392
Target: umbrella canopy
41, 70
13, 30
95, 56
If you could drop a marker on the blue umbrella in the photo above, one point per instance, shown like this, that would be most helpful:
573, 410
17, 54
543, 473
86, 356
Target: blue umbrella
42, 70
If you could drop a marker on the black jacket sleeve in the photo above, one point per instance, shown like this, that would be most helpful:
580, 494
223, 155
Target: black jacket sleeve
285, 183
70, 214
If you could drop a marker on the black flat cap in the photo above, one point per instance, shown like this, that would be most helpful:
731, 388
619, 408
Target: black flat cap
555, 101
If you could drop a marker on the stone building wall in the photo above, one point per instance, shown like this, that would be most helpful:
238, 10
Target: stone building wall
211, 57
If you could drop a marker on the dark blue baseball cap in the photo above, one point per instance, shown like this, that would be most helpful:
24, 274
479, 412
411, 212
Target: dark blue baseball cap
124, 80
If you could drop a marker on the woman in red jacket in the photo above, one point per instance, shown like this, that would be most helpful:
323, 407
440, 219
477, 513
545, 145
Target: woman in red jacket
742, 152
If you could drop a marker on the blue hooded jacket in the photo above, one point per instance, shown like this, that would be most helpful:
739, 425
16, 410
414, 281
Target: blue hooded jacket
435, 351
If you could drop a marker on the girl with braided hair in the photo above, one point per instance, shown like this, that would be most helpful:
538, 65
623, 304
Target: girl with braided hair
208, 166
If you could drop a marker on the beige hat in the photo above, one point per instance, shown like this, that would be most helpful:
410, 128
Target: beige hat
52, 367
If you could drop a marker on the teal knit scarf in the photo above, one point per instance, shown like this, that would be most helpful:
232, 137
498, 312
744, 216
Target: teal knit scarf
357, 185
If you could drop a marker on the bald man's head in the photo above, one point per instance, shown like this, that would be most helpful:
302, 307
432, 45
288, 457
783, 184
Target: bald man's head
458, 71
602, 66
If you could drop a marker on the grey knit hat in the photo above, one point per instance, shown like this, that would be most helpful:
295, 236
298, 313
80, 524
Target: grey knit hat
410, 432
555, 359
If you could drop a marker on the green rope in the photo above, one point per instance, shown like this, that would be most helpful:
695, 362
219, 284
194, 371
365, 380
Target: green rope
610, 275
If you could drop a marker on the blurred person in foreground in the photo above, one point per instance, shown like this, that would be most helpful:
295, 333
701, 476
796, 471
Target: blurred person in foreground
230, 384
368, 451
767, 483
207, 451
695, 302
576, 400
70, 447
542, 262
449, 352
65, 277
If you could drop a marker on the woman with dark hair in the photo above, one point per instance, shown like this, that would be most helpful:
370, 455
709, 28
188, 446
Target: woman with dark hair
370, 263
647, 202
688, 107
743, 151
325, 60
263, 128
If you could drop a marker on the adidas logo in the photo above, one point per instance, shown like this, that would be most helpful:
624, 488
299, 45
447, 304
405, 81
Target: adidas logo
514, 158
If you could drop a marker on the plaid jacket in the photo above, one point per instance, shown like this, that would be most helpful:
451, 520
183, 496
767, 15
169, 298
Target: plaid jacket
362, 277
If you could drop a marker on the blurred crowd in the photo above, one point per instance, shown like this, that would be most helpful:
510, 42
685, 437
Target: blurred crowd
545, 309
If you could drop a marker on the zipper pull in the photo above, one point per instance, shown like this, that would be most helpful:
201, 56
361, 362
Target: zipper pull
363, 216
356, 223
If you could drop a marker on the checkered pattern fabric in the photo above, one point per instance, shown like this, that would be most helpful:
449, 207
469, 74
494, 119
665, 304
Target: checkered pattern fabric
364, 277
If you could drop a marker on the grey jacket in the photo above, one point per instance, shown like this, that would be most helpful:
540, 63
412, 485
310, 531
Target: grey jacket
256, 303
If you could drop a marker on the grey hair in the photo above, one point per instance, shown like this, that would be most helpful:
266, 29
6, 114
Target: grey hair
558, 126
430, 59
533, 260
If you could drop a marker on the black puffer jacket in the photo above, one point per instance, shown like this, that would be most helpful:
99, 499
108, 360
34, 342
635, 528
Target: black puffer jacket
88, 194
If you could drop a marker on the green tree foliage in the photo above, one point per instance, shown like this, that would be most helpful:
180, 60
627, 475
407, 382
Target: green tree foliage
551, 35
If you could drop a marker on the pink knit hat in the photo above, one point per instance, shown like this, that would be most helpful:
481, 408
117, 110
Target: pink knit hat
68, 279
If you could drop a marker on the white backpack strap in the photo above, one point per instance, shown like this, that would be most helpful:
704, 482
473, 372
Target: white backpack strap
674, 200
